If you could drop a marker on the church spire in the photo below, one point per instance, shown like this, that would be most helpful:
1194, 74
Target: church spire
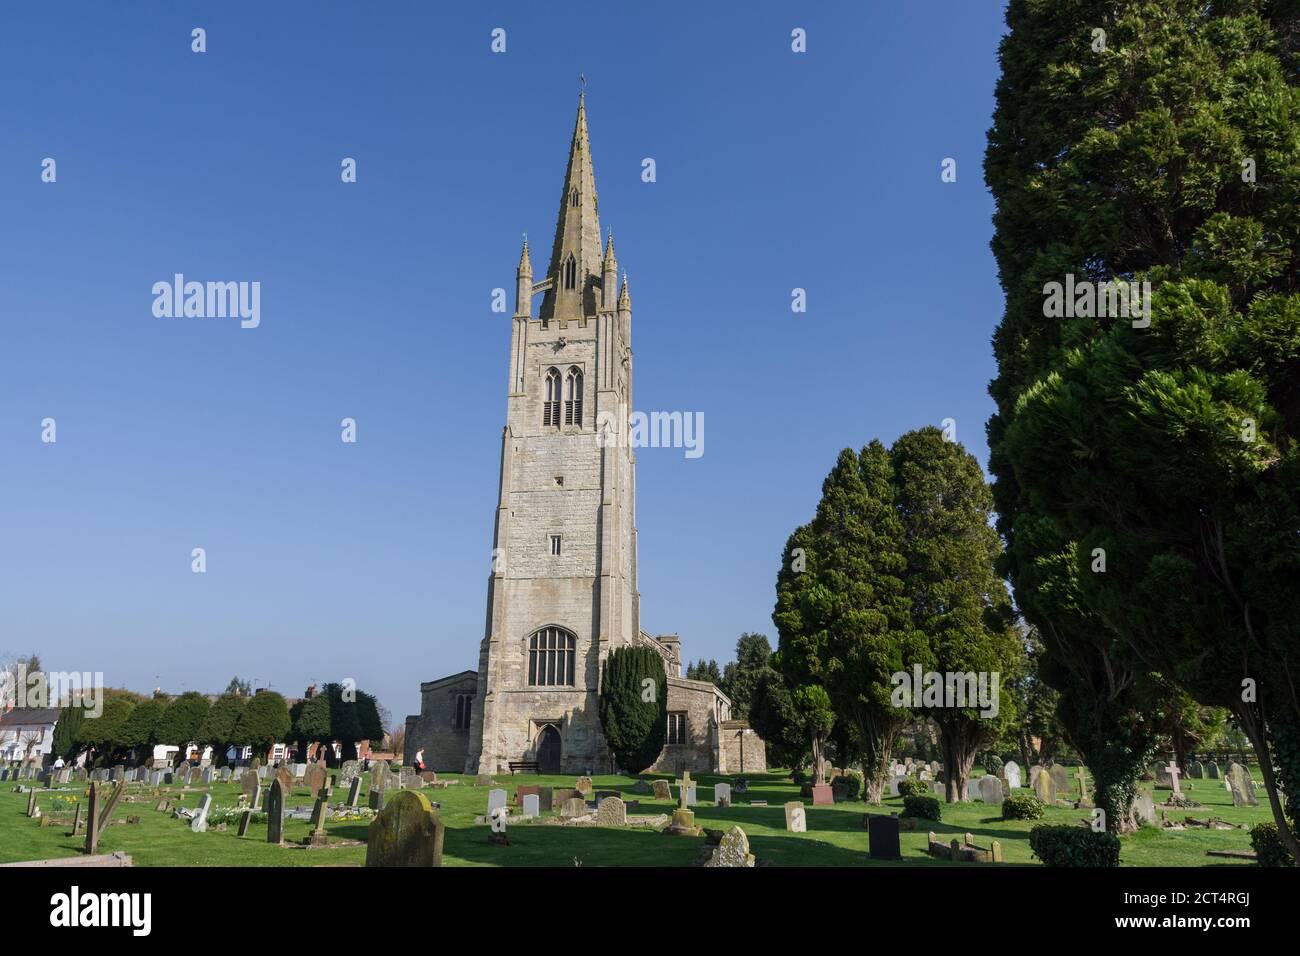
576, 253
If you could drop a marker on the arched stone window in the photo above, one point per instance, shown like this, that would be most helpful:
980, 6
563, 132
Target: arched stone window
551, 657
570, 272
551, 403
573, 198
573, 397
464, 705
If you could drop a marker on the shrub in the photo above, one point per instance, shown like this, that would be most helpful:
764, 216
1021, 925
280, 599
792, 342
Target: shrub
1074, 846
921, 807
913, 788
1022, 806
798, 776
852, 785
1268, 846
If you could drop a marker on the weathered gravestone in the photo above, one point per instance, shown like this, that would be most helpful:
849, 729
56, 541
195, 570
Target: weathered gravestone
199, 822
244, 819
722, 794
573, 807
531, 805
1011, 773
350, 771
545, 799
208, 774
882, 834
496, 798
972, 789
523, 791
1144, 808
275, 798
92, 820
1045, 788
380, 775
319, 812
283, 774
1212, 770
407, 832
991, 789
583, 785
249, 782
796, 817
662, 790
1060, 777
354, 792
732, 850
314, 779
1243, 788
1195, 771
1034, 771
611, 812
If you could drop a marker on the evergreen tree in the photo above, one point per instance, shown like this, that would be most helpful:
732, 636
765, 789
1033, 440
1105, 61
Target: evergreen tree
772, 713
634, 706
957, 601
105, 734
704, 670
740, 677
140, 732
264, 722
1152, 473
181, 721
64, 741
218, 729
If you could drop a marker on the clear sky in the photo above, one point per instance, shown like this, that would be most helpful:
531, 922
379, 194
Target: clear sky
326, 560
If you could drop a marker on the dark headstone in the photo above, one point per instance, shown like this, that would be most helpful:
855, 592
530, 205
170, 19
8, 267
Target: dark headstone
882, 833
275, 812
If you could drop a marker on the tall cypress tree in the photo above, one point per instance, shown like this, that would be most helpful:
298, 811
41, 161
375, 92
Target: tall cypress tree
634, 706
1149, 477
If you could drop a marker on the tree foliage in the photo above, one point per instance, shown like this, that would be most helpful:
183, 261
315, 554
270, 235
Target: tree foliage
1167, 451
263, 722
634, 706
219, 729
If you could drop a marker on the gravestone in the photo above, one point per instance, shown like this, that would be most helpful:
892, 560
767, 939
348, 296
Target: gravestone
1034, 771
244, 819
573, 807
611, 812
662, 790
286, 780
379, 776
275, 798
92, 819
319, 813
407, 832
1243, 788
1195, 771
1212, 770
1082, 778
498, 820
111, 803
199, 822
894, 781
882, 832
249, 783
350, 770
375, 799
939, 789
521, 792
314, 779
1163, 780
822, 795
732, 850
545, 799
991, 789
208, 774
496, 798
256, 799
972, 789
531, 805
796, 817
1044, 788
1011, 773
583, 785
1173, 772
1144, 808
354, 792
1060, 777
722, 794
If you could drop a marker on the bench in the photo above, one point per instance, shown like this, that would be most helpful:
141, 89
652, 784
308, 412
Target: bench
525, 765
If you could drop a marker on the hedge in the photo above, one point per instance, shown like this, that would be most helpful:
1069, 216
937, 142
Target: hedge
1074, 846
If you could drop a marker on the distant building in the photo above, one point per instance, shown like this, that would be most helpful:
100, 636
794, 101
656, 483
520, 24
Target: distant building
27, 733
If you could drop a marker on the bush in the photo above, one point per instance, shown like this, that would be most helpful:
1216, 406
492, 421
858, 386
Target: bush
852, 784
913, 788
922, 808
1268, 846
798, 776
1022, 806
1074, 846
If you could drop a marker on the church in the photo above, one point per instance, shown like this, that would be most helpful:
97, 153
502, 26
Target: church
562, 593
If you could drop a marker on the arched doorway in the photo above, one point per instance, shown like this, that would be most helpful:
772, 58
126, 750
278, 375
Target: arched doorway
548, 750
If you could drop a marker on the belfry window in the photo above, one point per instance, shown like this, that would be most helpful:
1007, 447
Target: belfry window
551, 655
570, 272
573, 397
573, 198
551, 404
463, 704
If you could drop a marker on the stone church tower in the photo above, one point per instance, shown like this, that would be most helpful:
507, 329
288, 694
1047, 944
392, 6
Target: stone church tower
562, 593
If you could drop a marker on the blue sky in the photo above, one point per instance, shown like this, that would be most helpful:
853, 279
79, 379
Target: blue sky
325, 560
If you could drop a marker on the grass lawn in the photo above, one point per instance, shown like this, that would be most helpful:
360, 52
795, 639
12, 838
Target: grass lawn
835, 834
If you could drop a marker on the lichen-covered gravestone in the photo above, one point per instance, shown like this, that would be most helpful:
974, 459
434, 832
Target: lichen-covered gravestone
722, 794
407, 832
732, 850
583, 785
1045, 788
611, 812
1243, 788
573, 807
249, 782
314, 779
991, 789
662, 790
1011, 774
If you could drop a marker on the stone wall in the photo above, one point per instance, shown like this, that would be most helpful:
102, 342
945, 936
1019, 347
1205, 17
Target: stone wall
434, 728
701, 702
741, 749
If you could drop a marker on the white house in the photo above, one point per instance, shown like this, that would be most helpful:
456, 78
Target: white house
27, 732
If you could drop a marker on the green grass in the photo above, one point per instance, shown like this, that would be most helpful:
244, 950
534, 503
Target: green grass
835, 834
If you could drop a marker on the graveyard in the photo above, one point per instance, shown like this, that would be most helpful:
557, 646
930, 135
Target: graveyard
835, 833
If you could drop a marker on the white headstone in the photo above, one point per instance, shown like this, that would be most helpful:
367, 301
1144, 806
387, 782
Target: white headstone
1012, 772
199, 823
722, 794
532, 804
496, 800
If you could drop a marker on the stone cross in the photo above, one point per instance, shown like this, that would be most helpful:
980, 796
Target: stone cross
685, 783
1173, 771
1083, 789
